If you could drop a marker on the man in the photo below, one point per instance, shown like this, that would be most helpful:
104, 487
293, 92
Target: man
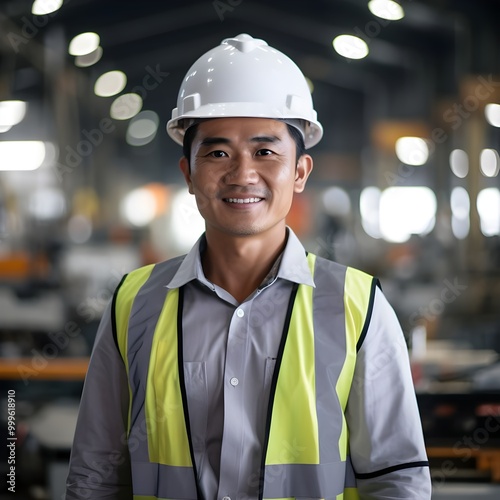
248, 369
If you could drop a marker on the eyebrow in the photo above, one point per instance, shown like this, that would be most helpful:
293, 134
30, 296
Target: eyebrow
209, 141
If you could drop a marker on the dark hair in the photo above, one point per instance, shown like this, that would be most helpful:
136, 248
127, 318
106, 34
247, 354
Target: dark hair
191, 132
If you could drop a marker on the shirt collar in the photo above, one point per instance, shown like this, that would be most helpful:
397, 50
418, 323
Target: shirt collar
291, 265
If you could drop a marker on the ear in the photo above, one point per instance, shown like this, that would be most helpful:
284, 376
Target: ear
186, 172
304, 168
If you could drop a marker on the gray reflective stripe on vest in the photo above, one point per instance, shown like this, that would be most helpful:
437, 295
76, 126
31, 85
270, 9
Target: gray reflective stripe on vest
163, 481
304, 480
150, 479
330, 348
142, 323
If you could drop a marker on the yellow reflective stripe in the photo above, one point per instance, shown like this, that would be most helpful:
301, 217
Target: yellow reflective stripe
293, 436
351, 494
167, 435
124, 301
357, 290
123, 306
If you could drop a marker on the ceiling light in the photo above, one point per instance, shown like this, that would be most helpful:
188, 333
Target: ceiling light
460, 202
336, 202
47, 203
139, 207
412, 150
83, 44
369, 207
43, 7
11, 113
492, 113
459, 163
110, 83
126, 106
21, 155
186, 222
488, 206
350, 46
405, 211
460, 209
89, 59
489, 161
386, 9
142, 128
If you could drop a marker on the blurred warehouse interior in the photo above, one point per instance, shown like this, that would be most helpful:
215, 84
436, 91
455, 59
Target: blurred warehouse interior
405, 187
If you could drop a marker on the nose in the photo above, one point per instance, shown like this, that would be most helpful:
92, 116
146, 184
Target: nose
242, 171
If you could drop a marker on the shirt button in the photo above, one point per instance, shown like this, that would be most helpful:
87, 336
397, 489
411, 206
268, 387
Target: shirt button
226, 498
234, 382
240, 313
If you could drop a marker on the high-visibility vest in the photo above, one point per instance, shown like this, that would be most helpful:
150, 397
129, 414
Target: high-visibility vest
306, 444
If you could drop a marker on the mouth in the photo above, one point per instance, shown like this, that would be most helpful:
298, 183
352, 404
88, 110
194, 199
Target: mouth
241, 201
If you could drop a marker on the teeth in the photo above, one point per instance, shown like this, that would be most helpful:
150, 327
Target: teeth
243, 200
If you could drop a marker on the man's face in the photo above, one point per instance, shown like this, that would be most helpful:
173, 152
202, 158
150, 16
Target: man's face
243, 174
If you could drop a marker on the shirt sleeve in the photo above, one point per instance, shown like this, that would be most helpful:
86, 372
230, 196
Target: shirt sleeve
100, 465
386, 442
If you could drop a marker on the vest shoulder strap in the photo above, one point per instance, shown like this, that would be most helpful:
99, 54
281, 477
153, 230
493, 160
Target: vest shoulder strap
153, 275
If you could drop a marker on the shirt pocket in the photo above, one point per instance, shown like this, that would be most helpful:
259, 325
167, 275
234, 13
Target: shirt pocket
195, 379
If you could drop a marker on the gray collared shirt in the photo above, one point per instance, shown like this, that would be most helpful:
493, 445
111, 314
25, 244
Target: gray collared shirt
229, 356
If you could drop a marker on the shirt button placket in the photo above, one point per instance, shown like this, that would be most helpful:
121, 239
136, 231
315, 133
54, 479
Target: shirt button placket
231, 451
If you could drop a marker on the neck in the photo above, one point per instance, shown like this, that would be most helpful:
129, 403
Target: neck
239, 264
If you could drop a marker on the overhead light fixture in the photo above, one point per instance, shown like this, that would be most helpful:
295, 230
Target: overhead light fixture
489, 162
84, 43
412, 150
43, 7
110, 83
488, 207
460, 210
142, 128
350, 46
126, 106
336, 202
47, 203
386, 9
459, 163
11, 113
89, 59
21, 155
405, 211
369, 207
139, 207
492, 113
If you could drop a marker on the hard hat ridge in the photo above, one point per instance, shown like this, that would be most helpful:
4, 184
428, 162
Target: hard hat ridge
244, 77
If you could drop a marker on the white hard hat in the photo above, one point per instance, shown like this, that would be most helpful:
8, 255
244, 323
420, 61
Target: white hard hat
245, 77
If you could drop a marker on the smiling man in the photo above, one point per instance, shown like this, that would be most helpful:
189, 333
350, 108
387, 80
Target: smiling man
248, 368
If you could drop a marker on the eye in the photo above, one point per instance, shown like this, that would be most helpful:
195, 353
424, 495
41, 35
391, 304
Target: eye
217, 154
264, 152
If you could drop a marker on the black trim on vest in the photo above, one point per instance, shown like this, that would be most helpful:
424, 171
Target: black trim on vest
375, 283
113, 312
274, 382
180, 362
387, 470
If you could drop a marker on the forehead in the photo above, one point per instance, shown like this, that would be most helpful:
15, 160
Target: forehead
241, 128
